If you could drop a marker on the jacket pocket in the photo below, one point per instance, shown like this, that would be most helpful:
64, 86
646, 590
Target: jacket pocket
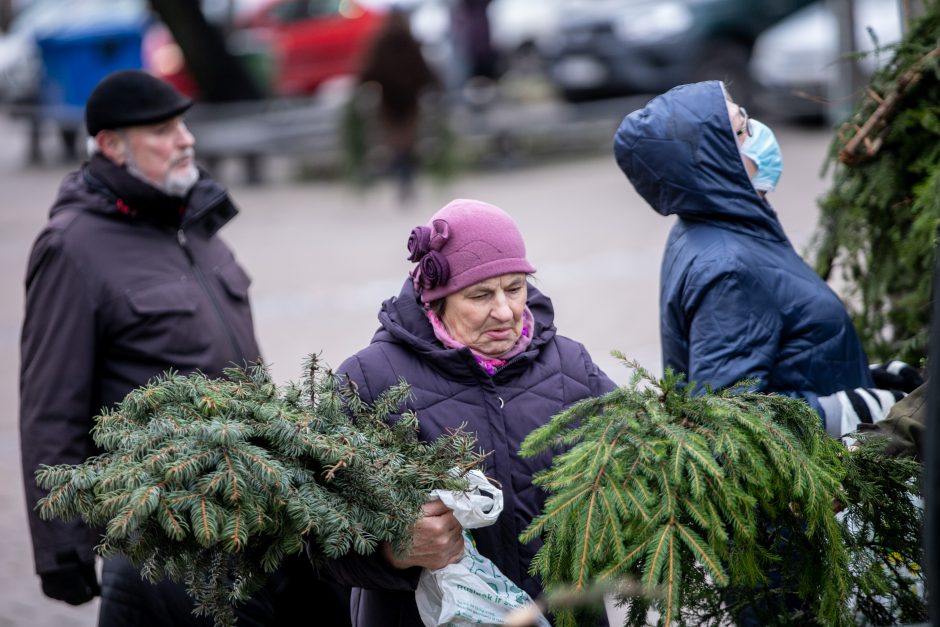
167, 319
235, 280
164, 299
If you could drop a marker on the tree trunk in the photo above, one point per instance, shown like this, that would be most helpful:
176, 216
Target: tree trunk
844, 94
911, 9
932, 453
6, 15
220, 76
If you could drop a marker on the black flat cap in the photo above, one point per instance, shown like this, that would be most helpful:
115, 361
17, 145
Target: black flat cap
131, 98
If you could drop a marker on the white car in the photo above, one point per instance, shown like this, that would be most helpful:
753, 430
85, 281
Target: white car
20, 63
20, 59
518, 26
795, 63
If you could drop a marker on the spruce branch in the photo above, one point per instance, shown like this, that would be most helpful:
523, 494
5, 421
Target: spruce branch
878, 221
700, 497
213, 482
885, 106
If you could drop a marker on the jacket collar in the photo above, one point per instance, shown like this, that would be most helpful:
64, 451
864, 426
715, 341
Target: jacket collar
403, 318
106, 188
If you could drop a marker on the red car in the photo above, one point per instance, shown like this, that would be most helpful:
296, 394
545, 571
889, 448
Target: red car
293, 45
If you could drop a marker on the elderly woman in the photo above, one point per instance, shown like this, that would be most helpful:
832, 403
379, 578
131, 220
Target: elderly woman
737, 301
478, 346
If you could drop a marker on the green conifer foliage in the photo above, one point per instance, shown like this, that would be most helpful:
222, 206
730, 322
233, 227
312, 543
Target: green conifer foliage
212, 482
701, 497
879, 220
882, 530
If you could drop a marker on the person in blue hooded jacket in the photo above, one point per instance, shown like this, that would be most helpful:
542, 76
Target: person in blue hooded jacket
736, 300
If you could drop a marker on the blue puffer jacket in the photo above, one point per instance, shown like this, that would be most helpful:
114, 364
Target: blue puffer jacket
736, 300
450, 389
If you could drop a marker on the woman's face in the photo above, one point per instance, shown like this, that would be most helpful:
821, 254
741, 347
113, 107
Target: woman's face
487, 316
741, 126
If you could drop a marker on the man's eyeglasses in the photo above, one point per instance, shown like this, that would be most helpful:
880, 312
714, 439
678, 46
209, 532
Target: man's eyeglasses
747, 124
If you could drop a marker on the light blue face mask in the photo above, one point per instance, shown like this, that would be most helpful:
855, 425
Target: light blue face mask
762, 148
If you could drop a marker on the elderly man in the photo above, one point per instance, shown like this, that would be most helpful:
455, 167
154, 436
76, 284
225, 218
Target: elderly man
127, 280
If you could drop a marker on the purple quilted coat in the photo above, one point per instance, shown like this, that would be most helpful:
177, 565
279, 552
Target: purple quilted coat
449, 389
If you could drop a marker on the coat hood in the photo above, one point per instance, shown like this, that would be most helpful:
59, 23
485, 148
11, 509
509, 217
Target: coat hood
680, 153
403, 319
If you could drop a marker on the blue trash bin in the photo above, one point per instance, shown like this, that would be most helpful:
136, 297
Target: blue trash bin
75, 58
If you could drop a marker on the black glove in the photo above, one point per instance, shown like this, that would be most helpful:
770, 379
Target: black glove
74, 581
896, 375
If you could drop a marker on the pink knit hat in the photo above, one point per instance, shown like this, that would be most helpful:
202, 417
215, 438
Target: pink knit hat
466, 242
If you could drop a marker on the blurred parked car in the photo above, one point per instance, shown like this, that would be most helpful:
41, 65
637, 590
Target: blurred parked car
618, 47
294, 46
19, 56
21, 67
516, 26
795, 63
55, 53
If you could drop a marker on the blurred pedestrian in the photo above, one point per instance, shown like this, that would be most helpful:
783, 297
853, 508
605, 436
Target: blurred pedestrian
128, 279
477, 344
736, 301
395, 67
471, 25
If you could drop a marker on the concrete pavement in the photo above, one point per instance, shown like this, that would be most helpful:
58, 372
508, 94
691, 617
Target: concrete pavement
323, 256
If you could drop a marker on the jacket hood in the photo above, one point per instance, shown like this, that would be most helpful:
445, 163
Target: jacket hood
207, 204
680, 153
403, 318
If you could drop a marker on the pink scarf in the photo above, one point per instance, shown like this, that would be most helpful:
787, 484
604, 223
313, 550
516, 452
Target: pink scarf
489, 364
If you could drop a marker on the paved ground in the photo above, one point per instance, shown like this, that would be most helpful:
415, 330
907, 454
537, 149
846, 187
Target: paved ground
323, 256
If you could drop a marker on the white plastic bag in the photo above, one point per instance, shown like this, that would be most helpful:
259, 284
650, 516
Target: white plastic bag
479, 506
472, 591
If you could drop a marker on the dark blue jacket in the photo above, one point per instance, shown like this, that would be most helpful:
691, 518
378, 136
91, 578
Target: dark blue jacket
450, 389
736, 300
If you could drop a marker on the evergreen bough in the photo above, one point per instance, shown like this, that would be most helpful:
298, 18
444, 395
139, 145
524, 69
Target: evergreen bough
701, 498
879, 220
212, 482
882, 531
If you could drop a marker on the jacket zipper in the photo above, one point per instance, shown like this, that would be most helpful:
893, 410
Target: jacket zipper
512, 360
507, 531
204, 284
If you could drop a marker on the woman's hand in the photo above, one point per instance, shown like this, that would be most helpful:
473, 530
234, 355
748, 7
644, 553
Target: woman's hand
436, 540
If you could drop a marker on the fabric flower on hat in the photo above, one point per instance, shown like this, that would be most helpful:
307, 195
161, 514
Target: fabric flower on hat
419, 243
434, 270
440, 233
424, 239
424, 242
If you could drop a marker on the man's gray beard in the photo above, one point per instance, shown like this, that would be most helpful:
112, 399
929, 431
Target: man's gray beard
180, 184
175, 184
